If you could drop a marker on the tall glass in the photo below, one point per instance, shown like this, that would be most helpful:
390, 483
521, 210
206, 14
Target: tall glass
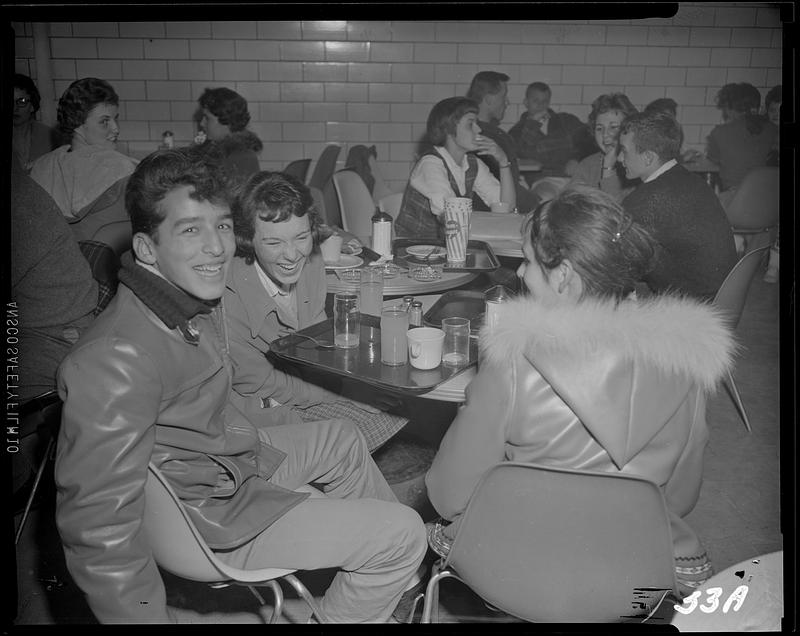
371, 291
394, 341
455, 348
346, 321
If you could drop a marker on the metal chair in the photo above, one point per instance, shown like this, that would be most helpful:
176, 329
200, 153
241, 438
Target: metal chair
298, 168
754, 209
325, 167
730, 299
179, 548
550, 544
355, 202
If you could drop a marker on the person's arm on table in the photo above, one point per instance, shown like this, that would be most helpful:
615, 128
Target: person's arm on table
111, 394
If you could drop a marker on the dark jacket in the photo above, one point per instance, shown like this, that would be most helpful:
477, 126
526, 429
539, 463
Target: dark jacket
238, 153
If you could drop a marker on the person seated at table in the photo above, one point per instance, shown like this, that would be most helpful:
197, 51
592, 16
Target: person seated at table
556, 140
277, 286
30, 138
223, 116
450, 168
489, 89
579, 373
150, 382
601, 169
680, 210
87, 177
744, 141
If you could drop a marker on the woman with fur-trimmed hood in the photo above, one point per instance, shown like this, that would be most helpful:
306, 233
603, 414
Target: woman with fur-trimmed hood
223, 116
580, 374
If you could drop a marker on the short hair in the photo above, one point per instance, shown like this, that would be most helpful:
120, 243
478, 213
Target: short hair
227, 106
486, 83
163, 171
274, 197
541, 87
445, 115
664, 105
740, 98
658, 132
610, 102
79, 99
25, 83
774, 96
609, 251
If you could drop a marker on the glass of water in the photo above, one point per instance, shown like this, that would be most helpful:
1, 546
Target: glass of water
455, 348
346, 320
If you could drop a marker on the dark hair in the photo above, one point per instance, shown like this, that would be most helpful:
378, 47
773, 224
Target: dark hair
163, 171
79, 99
658, 132
270, 196
486, 83
745, 99
445, 115
541, 87
25, 83
663, 105
227, 106
774, 96
608, 103
609, 251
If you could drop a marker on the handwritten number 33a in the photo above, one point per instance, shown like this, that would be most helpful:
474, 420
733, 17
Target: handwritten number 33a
736, 599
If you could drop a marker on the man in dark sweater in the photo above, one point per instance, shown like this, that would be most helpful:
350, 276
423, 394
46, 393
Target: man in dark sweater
682, 212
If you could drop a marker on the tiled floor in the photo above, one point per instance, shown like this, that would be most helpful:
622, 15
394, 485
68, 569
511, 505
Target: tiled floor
738, 515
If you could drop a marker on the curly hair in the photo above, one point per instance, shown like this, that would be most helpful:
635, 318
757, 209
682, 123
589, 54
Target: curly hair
658, 132
25, 83
608, 103
165, 170
79, 99
273, 197
227, 106
587, 226
445, 115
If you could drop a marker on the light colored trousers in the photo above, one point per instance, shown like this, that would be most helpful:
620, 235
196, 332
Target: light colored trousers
359, 527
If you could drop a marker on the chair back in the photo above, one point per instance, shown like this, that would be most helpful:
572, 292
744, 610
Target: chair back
355, 202
755, 204
326, 165
557, 545
391, 204
731, 295
177, 544
299, 169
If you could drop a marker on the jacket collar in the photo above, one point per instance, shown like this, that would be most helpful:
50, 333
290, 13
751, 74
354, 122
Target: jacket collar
173, 306
254, 298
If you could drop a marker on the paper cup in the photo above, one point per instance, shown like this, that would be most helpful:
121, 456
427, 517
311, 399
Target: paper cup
457, 214
425, 347
331, 249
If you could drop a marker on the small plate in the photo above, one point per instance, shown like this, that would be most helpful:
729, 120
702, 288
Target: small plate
422, 251
346, 261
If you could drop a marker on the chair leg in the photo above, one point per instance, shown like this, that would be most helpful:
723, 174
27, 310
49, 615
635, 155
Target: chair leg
738, 401
307, 597
46, 458
430, 606
277, 610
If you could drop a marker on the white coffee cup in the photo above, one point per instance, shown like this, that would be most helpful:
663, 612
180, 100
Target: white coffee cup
332, 249
425, 347
500, 207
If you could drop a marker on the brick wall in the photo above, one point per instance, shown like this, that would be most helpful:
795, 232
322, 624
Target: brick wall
310, 83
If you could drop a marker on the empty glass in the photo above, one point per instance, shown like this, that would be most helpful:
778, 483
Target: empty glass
455, 348
346, 320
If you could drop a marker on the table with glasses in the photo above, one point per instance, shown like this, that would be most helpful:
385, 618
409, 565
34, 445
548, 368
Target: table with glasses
400, 284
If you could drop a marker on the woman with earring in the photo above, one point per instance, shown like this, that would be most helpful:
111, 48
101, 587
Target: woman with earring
579, 373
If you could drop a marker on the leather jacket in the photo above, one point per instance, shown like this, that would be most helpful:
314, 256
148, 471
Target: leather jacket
592, 387
136, 390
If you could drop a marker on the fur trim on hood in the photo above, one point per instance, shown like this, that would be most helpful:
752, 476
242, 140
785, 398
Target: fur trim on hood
241, 139
675, 334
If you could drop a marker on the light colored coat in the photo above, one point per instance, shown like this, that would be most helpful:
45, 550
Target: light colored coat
591, 387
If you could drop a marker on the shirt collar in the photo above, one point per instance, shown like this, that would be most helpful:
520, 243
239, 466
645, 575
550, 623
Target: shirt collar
272, 289
661, 170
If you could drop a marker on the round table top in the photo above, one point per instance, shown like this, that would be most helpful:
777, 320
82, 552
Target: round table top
747, 596
401, 284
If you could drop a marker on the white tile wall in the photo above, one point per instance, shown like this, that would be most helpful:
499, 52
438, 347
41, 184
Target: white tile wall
310, 83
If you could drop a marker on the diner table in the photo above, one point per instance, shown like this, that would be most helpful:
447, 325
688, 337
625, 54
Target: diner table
502, 231
747, 596
705, 168
401, 284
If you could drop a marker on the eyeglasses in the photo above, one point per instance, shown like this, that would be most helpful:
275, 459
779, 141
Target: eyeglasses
22, 101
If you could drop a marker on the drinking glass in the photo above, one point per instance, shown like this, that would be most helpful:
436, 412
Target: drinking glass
455, 348
346, 320
371, 291
394, 341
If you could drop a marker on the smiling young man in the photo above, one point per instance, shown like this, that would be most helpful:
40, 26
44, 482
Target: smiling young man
679, 209
150, 381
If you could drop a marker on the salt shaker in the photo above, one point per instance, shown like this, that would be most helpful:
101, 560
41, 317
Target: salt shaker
407, 300
382, 233
494, 297
415, 314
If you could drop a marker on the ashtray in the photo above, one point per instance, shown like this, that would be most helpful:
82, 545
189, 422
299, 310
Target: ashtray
390, 270
351, 275
425, 273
